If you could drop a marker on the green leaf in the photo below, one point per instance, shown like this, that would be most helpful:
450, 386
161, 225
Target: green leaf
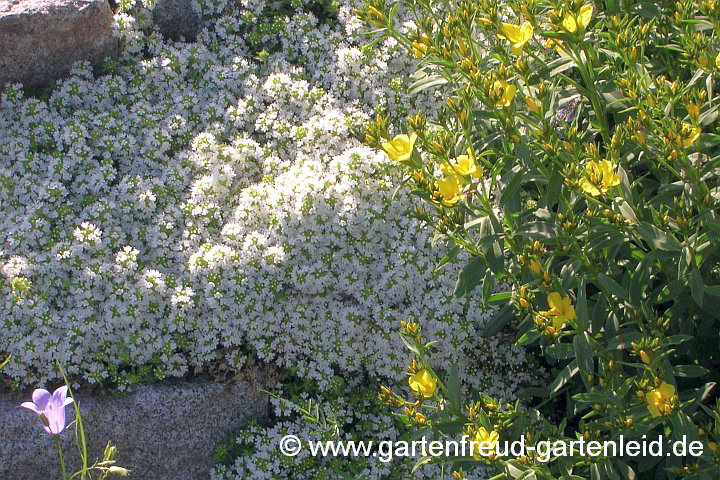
528, 337
454, 390
697, 287
570, 370
554, 189
612, 6
690, 371
425, 83
560, 351
683, 426
499, 298
611, 286
421, 462
538, 230
499, 320
451, 255
584, 355
626, 472
657, 238
470, 276
410, 345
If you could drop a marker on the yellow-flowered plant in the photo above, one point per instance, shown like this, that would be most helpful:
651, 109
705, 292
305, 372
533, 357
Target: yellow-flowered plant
449, 190
594, 198
463, 165
518, 36
661, 400
503, 93
423, 383
599, 178
400, 148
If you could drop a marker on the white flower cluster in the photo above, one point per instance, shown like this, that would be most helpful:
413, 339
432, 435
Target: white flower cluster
196, 206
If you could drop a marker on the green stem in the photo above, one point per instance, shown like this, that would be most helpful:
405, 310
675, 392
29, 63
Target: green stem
62, 458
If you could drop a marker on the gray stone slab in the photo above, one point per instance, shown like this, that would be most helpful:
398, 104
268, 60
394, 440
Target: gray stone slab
177, 19
165, 431
40, 39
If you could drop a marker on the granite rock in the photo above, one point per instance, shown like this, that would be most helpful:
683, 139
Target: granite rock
177, 18
165, 431
40, 39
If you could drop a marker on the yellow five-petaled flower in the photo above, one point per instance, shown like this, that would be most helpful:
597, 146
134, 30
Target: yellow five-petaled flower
463, 165
561, 310
600, 176
423, 383
660, 400
689, 134
485, 443
518, 36
400, 148
450, 189
503, 93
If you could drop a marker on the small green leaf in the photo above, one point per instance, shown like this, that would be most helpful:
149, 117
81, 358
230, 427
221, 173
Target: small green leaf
470, 276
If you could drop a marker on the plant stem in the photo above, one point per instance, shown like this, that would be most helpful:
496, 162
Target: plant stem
62, 458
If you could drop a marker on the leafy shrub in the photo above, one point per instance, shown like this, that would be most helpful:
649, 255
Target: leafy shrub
576, 159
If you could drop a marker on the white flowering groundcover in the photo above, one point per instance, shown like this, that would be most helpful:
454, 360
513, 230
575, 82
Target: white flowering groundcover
198, 205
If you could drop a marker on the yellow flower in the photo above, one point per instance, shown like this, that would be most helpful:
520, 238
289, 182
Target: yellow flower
419, 49
660, 400
532, 105
556, 44
600, 176
518, 36
504, 93
450, 188
423, 383
573, 23
717, 60
400, 148
713, 447
561, 310
485, 442
536, 268
463, 165
690, 134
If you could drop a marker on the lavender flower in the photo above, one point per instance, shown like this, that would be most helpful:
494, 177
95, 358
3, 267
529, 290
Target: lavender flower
51, 408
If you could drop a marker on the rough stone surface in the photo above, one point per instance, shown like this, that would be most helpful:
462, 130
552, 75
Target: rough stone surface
40, 39
176, 19
162, 432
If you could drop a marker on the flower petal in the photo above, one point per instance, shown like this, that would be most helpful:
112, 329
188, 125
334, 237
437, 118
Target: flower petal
56, 420
59, 395
41, 398
30, 406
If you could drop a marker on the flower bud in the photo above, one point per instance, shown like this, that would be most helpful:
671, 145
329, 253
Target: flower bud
123, 472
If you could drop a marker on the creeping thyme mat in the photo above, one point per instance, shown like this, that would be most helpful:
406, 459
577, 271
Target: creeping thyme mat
210, 202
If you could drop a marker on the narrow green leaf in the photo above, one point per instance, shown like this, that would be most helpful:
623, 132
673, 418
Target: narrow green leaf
564, 376
584, 355
697, 287
611, 286
690, 371
499, 320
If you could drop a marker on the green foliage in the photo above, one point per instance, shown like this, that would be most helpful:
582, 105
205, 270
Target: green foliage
577, 160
